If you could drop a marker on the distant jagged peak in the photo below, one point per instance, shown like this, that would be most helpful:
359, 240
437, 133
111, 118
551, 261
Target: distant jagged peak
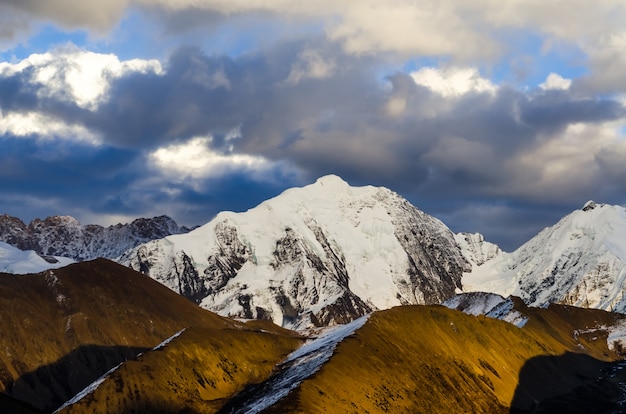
592, 205
598, 217
56, 220
64, 235
580, 261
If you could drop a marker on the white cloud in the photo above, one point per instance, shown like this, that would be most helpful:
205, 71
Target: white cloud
79, 75
453, 82
32, 123
69, 75
196, 160
396, 106
554, 81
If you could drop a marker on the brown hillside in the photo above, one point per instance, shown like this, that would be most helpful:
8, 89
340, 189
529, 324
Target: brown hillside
62, 329
195, 373
419, 359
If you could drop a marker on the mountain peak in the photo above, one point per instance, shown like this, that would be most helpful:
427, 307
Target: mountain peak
579, 261
325, 254
589, 205
331, 180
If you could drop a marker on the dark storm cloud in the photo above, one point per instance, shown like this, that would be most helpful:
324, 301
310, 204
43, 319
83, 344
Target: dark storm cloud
342, 111
17, 93
55, 168
39, 178
553, 110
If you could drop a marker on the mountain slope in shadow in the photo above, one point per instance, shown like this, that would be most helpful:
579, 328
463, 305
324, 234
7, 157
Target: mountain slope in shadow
51, 385
197, 372
63, 328
571, 383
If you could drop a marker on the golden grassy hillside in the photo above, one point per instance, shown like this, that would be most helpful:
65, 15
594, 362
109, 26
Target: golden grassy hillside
196, 372
62, 329
430, 359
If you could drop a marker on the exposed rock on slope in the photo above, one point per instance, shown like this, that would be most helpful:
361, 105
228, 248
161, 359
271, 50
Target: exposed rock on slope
580, 261
65, 236
322, 254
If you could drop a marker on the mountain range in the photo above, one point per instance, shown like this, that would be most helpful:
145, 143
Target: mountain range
328, 253
65, 236
357, 274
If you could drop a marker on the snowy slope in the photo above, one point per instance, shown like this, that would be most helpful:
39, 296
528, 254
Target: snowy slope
488, 304
298, 366
580, 261
476, 249
322, 254
13, 260
65, 236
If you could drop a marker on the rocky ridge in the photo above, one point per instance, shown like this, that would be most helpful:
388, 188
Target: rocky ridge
65, 236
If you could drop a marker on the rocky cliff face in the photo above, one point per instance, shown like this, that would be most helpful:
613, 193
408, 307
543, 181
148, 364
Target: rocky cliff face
65, 236
476, 249
313, 256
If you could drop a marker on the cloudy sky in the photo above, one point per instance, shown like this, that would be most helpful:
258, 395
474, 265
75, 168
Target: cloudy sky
497, 117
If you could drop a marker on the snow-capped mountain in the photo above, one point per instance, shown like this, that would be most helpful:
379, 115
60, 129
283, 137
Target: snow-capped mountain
14, 260
322, 254
579, 261
65, 236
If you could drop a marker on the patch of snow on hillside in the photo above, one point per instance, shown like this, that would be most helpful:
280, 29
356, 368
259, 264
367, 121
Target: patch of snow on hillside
505, 311
168, 340
489, 304
94, 385
298, 366
475, 303
88, 390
